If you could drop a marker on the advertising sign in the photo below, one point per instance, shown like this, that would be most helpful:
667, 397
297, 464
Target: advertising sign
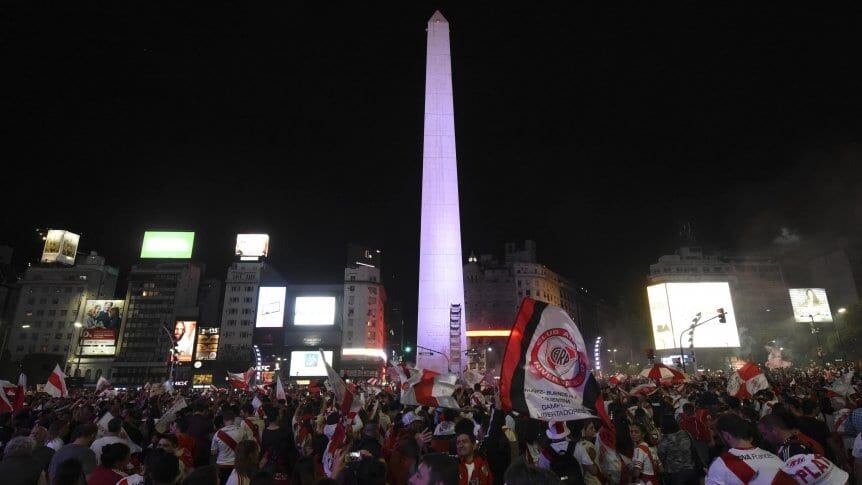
101, 321
455, 338
202, 379
61, 247
167, 245
314, 310
810, 303
673, 306
184, 336
250, 247
307, 363
206, 347
270, 306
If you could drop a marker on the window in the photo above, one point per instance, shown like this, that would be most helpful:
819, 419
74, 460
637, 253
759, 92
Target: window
43, 301
40, 312
52, 313
58, 336
63, 313
55, 301
56, 348
68, 289
69, 336
49, 324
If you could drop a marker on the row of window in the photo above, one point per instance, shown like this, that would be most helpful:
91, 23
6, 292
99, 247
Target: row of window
35, 336
244, 323
236, 288
51, 313
43, 348
46, 289
234, 311
235, 299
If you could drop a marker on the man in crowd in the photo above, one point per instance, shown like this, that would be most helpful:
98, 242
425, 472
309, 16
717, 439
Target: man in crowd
224, 444
79, 450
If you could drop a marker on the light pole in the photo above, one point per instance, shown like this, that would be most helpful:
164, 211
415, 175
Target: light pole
841, 311
78, 346
815, 331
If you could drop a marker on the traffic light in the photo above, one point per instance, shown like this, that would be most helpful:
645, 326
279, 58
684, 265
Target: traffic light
722, 316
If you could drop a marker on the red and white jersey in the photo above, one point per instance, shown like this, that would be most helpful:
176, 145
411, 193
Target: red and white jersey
645, 459
814, 470
224, 444
253, 428
752, 466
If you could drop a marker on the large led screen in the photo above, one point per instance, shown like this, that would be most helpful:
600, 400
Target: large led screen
101, 324
307, 363
810, 303
167, 245
270, 306
184, 336
314, 310
207, 346
673, 306
60, 246
250, 247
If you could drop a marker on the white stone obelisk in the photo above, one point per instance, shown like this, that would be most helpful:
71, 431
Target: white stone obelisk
441, 276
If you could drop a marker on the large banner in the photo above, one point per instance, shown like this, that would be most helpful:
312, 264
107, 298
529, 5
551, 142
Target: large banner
810, 305
207, 345
184, 336
546, 370
60, 246
101, 324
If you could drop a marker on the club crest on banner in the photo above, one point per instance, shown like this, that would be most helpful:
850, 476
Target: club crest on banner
557, 358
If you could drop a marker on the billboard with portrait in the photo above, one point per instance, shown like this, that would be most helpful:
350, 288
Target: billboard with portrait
206, 347
60, 247
314, 310
270, 307
810, 303
673, 306
167, 245
184, 336
101, 324
307, 363
251, 247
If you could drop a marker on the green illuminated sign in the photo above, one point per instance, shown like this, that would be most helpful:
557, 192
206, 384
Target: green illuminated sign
167, 245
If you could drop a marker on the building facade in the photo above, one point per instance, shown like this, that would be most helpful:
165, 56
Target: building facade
494, 290
159, 295
364, 331
52, 300
238, 313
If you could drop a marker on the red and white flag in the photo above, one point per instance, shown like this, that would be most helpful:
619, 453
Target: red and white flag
345, 395
398, 373
102, 384
18, 404
429, 388
546, 368
56, 385
472, 377
5, 405
241, 380
746, 381
279, 390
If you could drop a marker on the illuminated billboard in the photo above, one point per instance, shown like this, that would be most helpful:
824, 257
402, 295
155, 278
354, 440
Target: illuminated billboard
184, 336
673, 306
206, 347
314, 310
101, 322
307, 363
167, 245
810, 303
270, 306
250, 247
60, 247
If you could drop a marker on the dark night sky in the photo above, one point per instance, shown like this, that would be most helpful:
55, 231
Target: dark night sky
593, 131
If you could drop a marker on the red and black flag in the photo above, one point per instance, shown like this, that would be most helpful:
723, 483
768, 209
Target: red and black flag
546, 370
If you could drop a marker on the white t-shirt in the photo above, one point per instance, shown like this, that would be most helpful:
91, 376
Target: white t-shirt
814, 470
765, 465
470, 467
235, 479
106, 440
55, 444
582, 454
857, 447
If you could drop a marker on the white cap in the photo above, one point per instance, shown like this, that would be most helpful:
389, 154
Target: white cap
557, 430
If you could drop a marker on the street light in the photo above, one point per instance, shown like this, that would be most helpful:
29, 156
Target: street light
25, 326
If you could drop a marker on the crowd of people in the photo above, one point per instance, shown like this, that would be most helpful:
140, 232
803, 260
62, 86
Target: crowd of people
799, 430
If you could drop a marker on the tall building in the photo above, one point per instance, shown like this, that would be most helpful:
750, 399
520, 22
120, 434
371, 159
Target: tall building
159, 295
240, 307
494, 290
364, 327
441, 284
52, 299
757, 287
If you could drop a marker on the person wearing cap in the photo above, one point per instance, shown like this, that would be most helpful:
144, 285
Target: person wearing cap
443, 440
559, 454
472, 469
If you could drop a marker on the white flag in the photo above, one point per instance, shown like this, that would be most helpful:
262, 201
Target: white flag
102, 384
279, 390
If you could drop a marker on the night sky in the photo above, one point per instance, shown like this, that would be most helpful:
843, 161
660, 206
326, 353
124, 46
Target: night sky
595, 132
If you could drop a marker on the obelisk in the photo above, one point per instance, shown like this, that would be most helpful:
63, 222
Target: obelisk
441, 276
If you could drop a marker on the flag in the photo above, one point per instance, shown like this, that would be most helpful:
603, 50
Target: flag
746, 381
256, 402
279, 390
344, 395
171, 414
56, 385
18, 404
241, 380
546, 370
102, 384
429, 388
842, 386
472, 377
5, 405
337, 441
